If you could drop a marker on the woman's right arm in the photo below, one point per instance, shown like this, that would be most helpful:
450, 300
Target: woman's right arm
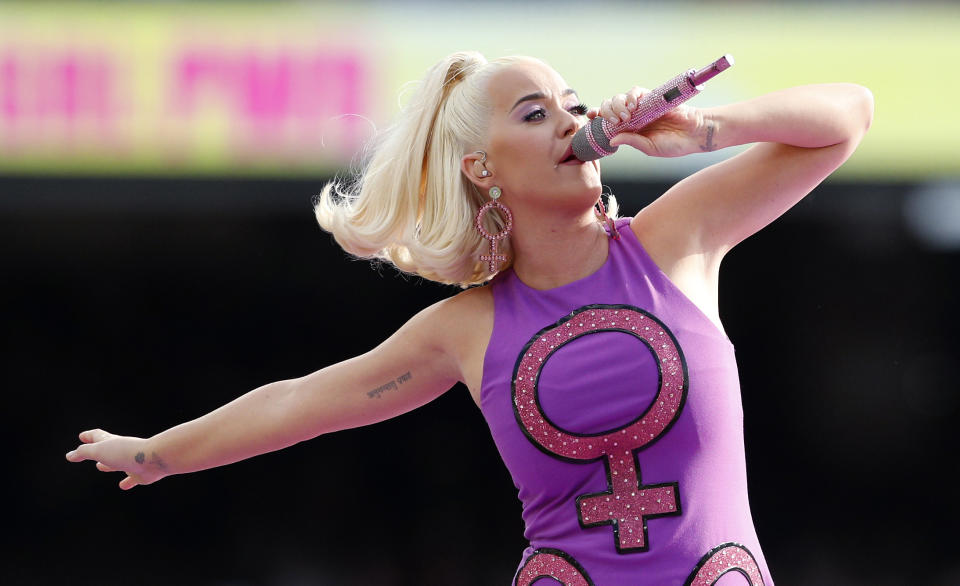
414, 366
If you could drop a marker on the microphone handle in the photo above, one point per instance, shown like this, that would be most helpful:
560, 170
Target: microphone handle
595, 138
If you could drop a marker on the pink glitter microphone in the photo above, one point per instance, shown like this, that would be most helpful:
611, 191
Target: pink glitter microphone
593, 140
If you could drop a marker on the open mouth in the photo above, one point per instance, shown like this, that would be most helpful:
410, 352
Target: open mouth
569, 157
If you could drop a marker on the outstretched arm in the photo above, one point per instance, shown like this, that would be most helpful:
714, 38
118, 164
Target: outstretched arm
409, 369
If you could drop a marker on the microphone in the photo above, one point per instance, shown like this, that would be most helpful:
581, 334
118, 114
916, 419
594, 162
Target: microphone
593, 140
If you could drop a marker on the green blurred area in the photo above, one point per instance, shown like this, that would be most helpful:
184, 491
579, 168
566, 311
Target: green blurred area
99, 88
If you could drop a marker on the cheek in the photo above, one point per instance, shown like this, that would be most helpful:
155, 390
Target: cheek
514, 155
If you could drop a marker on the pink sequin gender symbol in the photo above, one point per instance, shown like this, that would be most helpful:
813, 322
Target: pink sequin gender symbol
627, 503
494, 258
723, 559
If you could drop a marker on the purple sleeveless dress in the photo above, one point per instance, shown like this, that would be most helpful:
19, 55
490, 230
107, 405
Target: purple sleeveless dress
615, 404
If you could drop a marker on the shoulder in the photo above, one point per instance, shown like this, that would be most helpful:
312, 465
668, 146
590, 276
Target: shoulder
470, 304
464, 324
465, 316
447, 338
443, 326
455, 319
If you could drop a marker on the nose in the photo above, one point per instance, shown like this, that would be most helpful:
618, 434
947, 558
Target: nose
569, 124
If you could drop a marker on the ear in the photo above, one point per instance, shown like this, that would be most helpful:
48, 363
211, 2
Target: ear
471, 165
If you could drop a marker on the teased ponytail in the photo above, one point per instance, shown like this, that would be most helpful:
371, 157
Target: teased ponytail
411, 205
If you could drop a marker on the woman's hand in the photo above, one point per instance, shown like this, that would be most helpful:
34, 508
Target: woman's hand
115, 453
681, 131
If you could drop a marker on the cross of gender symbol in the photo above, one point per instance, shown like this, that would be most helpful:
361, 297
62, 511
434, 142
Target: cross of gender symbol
627, 503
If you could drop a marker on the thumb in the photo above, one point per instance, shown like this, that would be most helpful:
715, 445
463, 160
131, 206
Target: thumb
637, 141
128, 483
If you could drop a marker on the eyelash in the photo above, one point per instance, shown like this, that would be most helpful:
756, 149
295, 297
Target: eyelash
578, 110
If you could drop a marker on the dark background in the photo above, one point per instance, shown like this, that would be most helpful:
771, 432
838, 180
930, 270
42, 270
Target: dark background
136, 304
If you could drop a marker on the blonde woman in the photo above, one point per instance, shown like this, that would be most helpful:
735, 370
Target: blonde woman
592, 344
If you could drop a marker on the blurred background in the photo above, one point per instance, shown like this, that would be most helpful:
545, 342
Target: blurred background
159, 256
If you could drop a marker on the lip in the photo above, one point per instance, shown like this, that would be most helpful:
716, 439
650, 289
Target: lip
565, 157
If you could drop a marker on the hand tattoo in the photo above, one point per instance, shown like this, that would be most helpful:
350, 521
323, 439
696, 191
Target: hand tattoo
155, 460
157, 463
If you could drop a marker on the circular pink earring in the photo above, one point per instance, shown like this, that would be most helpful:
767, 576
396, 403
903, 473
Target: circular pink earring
494, 258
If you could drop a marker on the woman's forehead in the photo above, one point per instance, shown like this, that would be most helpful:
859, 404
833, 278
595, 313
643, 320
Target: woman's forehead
523, 78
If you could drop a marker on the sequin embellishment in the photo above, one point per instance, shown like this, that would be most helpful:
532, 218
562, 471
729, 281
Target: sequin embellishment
552, 563
723, 559
627, 503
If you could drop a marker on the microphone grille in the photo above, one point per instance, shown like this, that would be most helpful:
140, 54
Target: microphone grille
586, 149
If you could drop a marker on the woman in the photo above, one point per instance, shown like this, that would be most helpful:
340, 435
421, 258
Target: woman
595, 349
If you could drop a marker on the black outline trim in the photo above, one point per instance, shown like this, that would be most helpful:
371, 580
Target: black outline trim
559, 553
709, 555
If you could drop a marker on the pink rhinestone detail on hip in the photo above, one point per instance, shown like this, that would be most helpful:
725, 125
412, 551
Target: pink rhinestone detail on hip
552, 563
723, 559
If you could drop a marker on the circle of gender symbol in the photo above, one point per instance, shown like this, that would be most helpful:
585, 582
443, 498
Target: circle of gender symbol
495, 257
627, 504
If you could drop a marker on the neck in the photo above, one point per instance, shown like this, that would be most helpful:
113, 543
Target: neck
553, 251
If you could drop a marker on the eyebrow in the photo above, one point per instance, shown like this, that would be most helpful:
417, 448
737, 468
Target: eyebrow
539, 96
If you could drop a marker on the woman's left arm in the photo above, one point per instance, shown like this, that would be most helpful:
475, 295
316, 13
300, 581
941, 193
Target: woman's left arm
805, 133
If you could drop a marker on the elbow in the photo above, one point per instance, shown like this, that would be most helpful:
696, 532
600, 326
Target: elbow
866, 107
855, 113
858, 110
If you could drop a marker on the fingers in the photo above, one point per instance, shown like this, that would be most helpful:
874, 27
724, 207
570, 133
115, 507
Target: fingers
78, 455
634, 95
104, 468
93, 435
88, 438
621, 107
614, 109
637, 141
128, 483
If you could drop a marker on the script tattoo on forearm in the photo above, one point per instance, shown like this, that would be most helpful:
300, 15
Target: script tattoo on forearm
710, 146
390, 386
155, 460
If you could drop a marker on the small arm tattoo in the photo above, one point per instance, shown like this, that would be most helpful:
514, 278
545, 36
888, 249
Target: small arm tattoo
139, 457
389, 386
710, 146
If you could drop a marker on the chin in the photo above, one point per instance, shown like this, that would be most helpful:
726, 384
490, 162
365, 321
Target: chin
593, 181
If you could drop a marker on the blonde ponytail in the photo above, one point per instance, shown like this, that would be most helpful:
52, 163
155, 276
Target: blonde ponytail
410, 205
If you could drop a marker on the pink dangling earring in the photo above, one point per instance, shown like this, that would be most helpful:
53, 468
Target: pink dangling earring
602, 216
494, 258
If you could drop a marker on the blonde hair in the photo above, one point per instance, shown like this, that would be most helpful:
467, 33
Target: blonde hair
410, 204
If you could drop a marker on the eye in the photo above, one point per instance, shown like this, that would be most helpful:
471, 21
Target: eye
579, 110
537, 114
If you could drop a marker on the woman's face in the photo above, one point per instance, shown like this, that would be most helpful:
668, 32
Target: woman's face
534, 117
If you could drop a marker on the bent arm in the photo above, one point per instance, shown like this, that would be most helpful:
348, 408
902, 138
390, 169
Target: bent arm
804, 132
809, 116
409, 369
